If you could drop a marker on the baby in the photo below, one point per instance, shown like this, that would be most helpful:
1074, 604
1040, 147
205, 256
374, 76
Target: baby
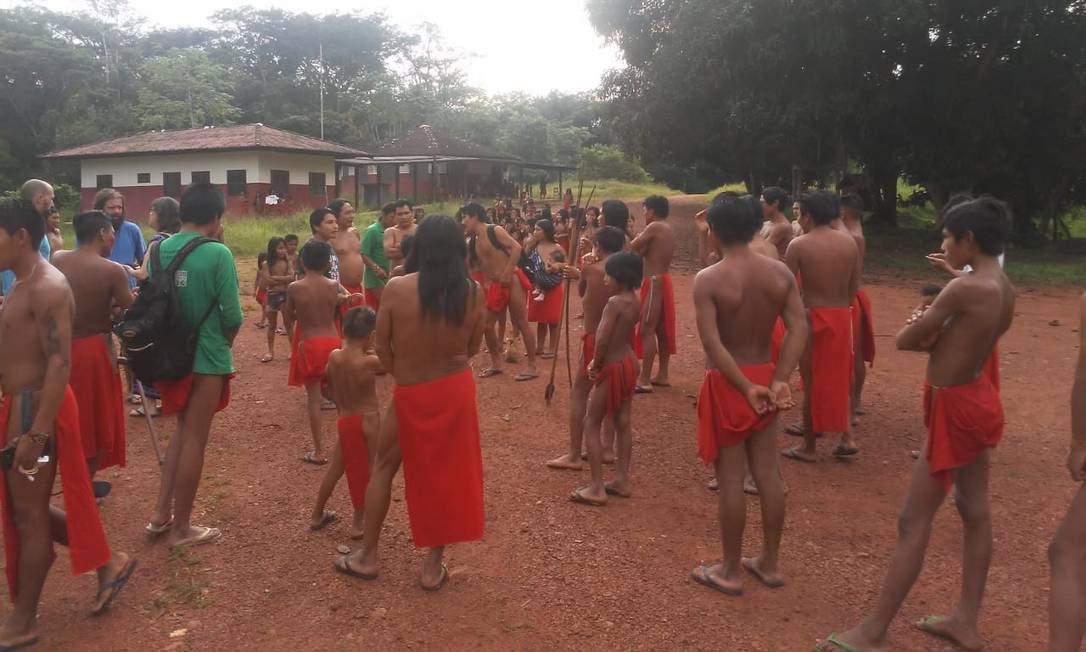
551, 277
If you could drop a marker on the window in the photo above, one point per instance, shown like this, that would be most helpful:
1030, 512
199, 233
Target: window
143, 177
316, 184
103, 181
442, 168
405, 168
235, 183
371, 170
201, 177
171, 184
280, 182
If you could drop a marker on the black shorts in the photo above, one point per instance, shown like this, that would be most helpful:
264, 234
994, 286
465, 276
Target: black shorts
275, 301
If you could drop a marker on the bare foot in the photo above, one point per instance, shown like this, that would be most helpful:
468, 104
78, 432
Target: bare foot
14, 640
585, 496
566, 462
797, 453
660, 381
749, 487
356, 526
715, 578
770, 578
322, 520
950, 628
608, 457
616, 488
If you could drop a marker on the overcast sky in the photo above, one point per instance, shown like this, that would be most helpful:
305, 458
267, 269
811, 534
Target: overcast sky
513, 45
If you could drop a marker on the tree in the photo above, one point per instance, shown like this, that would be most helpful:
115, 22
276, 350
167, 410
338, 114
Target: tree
184, 88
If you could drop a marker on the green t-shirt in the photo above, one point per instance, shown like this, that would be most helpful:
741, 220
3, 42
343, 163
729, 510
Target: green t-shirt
207, 277
373, 247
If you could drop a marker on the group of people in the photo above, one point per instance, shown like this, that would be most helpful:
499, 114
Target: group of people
416, 298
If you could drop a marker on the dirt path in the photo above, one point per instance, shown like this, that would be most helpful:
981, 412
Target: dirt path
553, 575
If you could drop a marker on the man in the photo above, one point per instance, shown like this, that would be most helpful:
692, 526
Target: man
827, 264
656, 332
1067, 554
373, 255
404, 226
100, 288
964, 417
40, 195
40, 420
347, 246
594, 296
430, 328
207, 284
863, 328
737, 302
325, 228
776, 230
494, 253
52, 231
130, 246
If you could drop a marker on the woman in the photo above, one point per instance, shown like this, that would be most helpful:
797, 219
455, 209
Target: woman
547, 311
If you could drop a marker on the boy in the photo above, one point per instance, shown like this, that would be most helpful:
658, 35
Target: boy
613, 372
349, 383
737, 301
656, 333
313, 301
964, 417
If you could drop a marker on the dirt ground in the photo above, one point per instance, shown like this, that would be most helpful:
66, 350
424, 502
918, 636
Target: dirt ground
553, 575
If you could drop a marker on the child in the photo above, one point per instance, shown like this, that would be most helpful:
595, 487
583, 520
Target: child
551, 276
613, 372
276, 276
349, 383
291, 240
314, 301
260, 290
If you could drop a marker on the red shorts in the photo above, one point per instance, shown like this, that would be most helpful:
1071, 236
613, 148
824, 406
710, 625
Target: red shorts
667, 312
355, 455
549, 310
725, 416
175, 394
96, 383
962, 422
308, 361
620, 378
831, 369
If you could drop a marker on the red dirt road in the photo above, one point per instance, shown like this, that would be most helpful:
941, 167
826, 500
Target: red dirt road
553, 575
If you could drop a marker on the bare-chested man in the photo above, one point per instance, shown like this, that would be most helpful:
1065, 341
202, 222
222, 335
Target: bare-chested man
41, 434
100, 288
431, 326
776, 230
863, 327
1067, 554
964, 417
594, 296
347, 246
494, 254
826, 263
737, 301
656, 332
394, 235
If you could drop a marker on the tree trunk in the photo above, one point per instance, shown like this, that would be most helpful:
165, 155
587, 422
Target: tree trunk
884, 195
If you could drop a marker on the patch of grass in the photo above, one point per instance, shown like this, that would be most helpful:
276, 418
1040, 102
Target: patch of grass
185, 585
737, 186
613, 189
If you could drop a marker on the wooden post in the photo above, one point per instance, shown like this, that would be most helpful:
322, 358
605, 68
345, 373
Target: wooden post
398, 182
357, 199
560, 191
414, 182
380, 188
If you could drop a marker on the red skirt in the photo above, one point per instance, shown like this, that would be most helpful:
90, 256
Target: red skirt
549, 310
667, 311
262, 296
175, 394
356, 459
96, 383
962, 422
442, 461
725, 416
831, 368
779, 331
991, 368
588, 351
346, 306
87, 545
309, 359
863, 327
621, 378
373, 300
497, 295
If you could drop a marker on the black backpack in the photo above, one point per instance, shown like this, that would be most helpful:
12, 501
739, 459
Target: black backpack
157, 342
525, 264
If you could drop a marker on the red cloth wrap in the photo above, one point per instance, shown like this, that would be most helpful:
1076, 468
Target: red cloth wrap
87, 545
438, 428
621, 378
356, 458
667, 312
588, 350
309, 360
262, 296
863, 328
497, 295
962, 421
831, 368
346, 306
96, 383
779, 331
373, 300
725, 416
549, 310
991, 368
175, 394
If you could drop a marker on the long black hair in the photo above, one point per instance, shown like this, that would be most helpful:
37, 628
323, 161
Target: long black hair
273, 246
438, 255
548, 229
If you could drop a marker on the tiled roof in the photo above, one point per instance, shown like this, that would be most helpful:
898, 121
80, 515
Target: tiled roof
424, 141
202, 139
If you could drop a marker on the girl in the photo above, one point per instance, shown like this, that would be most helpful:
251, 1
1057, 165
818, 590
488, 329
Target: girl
260, 291
277, 276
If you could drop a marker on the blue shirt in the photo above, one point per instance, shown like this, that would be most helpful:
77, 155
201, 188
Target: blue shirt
7, 277
129, 247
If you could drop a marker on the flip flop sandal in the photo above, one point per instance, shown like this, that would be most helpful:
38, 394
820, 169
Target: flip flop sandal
611, 491
753, 569
267, 357
925, 623
139, 412
342, 565
581, 499
489, 372
20, 646
524, 375
209, 535
310, 458
639, 389
843, 452
442, 581
327, 518
660, 384
545, 356
114, 587
838, 645
792, 454
162, 528
794, 430
701, 576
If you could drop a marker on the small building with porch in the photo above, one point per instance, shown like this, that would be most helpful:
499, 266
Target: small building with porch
427, 166
259, 169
